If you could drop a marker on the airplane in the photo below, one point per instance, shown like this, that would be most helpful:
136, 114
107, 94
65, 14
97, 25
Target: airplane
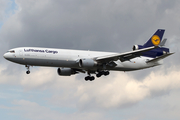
70, 62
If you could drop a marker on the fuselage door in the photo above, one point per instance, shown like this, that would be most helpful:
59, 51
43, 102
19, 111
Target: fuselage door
20, 52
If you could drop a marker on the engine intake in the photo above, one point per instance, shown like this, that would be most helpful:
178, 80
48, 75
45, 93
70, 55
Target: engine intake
135, 47
66, 71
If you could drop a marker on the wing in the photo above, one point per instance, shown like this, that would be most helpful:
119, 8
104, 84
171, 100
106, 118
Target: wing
124, 56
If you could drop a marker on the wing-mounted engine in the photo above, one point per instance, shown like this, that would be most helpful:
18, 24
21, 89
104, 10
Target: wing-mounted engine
66, 71
87, 63
137, 47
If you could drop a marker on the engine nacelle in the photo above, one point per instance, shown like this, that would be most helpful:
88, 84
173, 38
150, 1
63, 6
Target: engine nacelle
65, 71
87, 63
137, 47
164, 52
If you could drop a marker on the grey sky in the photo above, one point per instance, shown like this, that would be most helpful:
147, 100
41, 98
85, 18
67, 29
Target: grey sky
108, 25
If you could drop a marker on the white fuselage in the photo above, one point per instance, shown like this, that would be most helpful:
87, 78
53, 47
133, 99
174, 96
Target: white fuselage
68, 58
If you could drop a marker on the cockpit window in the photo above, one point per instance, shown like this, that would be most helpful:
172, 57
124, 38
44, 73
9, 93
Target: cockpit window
11, 51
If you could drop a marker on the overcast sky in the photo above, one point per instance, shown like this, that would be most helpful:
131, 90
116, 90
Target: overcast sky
100, 25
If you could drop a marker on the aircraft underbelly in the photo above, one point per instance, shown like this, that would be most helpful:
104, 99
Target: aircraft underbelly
134, 64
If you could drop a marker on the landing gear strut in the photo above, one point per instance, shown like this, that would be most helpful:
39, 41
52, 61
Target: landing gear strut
28, 71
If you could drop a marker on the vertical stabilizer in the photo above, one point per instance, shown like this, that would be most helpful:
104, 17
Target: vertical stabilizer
155, 40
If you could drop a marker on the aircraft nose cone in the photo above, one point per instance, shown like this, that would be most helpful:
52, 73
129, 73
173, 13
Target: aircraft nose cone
6, 56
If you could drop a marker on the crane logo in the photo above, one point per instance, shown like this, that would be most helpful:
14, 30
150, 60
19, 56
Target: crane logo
155, 40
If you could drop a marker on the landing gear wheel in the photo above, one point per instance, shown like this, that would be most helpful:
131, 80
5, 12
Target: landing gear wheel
98, 75
86, 78
28, 72
91, 78
106, 73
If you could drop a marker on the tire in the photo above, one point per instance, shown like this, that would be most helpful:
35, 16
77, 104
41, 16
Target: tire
86, 78
106, 73
28, 72
92, 78
98, 75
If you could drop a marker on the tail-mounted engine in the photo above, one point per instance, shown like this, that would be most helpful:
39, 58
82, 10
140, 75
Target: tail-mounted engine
66, 71
137, 47
152, 53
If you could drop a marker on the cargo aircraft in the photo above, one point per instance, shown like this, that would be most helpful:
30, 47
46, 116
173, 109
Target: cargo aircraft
70, 62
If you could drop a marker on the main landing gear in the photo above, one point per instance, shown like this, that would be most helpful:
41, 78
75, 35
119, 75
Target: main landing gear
105, 73
91, 78
28, 71
99, 74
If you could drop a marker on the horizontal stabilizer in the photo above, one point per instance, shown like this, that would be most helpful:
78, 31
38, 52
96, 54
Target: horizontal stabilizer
159, 58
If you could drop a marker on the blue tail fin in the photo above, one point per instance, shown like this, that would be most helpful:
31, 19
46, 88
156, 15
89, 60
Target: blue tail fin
155, 40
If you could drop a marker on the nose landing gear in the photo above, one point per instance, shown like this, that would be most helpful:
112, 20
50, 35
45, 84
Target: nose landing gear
28, 71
